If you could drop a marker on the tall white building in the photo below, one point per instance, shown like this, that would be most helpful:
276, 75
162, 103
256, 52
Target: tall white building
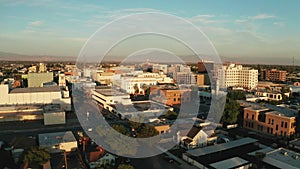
238, 76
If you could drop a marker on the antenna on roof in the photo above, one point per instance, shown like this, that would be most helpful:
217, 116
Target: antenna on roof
293, 63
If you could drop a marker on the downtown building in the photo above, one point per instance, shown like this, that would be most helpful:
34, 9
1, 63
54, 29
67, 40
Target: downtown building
141, 80
269, 119
232, 75
273, 75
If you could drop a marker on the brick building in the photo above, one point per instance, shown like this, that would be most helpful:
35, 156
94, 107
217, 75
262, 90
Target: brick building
280, 122
170, 95
273, 75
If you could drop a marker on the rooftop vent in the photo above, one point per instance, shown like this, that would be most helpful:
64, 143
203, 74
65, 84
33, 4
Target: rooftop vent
285, 153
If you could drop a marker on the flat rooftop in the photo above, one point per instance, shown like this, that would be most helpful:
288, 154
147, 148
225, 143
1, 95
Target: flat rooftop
282, 111
110, 92
257, 108
272, 108
49, 139
234, 162
141, 106
283, 158
36, 89
221, 147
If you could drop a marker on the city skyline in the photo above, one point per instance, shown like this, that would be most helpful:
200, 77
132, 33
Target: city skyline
248, 32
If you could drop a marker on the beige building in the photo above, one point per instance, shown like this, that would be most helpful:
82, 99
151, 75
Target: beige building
280, 122
37, 79
53, 114
238, 76
162, 128
34, 95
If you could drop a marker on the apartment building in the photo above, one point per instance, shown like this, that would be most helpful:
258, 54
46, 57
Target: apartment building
237, 76
273, 75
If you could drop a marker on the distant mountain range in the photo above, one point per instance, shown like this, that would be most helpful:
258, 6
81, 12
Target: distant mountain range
5, 56
152, 56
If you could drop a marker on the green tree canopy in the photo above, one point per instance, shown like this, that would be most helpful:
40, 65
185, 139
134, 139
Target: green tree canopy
125, 166
231, 112
121, 129
170, 115
147, 130
35, 155
236, 95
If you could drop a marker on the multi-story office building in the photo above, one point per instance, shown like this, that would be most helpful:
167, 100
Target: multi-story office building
185, 78
205, 66
141, 81
170, 95
269, 119
37, 79
273, 75
237, 76
182, 74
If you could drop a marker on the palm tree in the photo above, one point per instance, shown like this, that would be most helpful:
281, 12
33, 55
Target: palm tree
35, 155
136, 88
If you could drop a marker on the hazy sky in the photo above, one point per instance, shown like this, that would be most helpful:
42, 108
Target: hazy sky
255, 31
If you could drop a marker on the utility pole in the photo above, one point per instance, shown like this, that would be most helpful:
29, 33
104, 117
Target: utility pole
66, 161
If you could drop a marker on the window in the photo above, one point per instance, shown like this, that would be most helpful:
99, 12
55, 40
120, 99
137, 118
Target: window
276, 126
285, 125
247, 116
272, 121
269, 121
282, 124
174, 99
252, 116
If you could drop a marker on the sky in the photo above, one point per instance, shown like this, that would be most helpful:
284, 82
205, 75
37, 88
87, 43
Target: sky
245, 31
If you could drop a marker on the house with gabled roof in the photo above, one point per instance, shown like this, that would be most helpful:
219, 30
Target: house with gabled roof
196, 137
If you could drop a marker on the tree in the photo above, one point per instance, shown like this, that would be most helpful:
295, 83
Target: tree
125, 166
283, 91
144, 86
35, 155
121, 129
237, 95
147, 130
170, 115
231, 112
136, 88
